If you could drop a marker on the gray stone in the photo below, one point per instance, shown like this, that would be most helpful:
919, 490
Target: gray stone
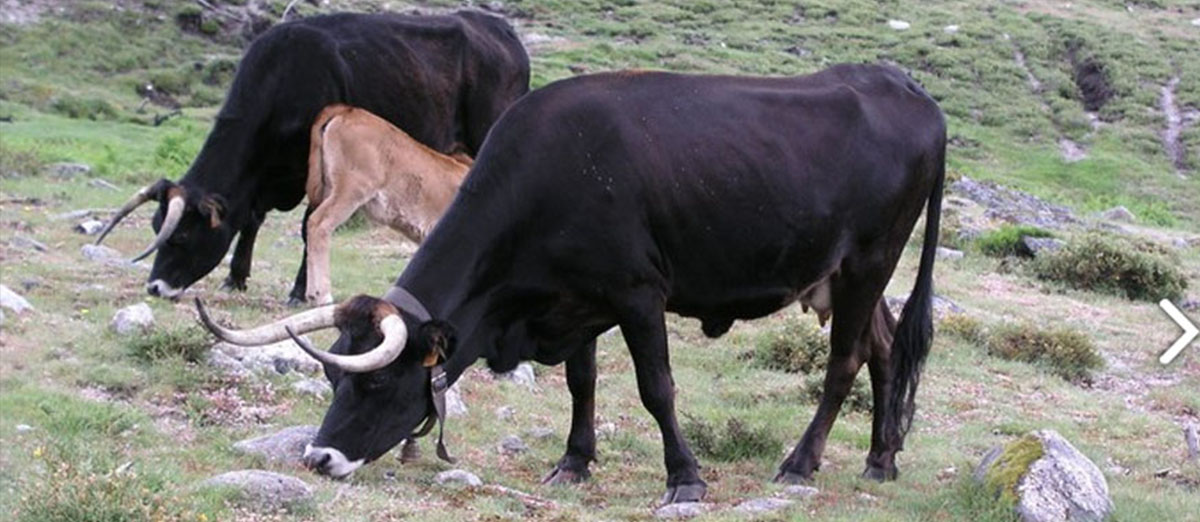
227, 365
1118, 213
606, 430
949, 253
763, 505
513, 445
133, 318
1190, 304
260, 490
457, 476
67, 170
800, 491
22, 428
104, 184
13, 301
282, 357
90, 227
1035, 246
522, 374
683, 510
1060, 486
102, 254
1013, 206
942, 307
540, 433
455, 407
318, 388
950, 29
505, 412
28, 243
286, 445
899, 25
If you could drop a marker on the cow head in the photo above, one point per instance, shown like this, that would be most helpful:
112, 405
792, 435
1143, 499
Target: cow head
380, 376
192, 235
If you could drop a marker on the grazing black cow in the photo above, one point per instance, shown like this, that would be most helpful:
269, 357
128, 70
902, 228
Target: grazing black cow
443, 79
610, 199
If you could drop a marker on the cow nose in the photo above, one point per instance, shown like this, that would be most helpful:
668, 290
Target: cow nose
329, 461
152, 289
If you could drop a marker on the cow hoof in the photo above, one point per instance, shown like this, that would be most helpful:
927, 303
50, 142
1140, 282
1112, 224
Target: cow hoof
684, 493
560, 476
296, 302
879, 474
788, 477
234, 284
411, 452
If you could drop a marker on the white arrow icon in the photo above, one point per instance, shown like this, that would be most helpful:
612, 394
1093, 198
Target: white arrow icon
1189, 331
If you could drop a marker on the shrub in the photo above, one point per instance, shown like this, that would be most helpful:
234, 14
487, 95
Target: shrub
1064, 352
795, 347
1116, 266
83, 108
735, 441
859, 399
15, 163
189, 344
1006, 240
963, 327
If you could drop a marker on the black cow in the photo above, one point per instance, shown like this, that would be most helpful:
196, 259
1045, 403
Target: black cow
443, 79
610, 199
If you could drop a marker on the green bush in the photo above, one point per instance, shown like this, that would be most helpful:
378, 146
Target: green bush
1064, 352
859, 399
963, 327
795, 347
188, 343
1112, 265
83, 108
1006, 240
734, 441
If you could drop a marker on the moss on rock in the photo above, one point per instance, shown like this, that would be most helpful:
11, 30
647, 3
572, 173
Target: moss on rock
1013, 462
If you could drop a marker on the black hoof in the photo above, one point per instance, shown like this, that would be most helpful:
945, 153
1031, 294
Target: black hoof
234, 284
880, 474
788, 477
560, 476
296, 302
684, 493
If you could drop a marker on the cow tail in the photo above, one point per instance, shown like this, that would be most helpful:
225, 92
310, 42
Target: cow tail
914, 334
315, 184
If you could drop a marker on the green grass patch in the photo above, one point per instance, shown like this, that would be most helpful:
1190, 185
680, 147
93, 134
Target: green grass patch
1112, 265
730, 441
1006, 240
187, 344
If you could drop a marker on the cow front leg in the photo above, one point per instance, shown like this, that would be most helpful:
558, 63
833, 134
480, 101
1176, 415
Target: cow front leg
581, 443
645, 333
239, 267
300, 285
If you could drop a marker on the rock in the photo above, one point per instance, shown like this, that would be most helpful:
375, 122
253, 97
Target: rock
318, 388
606, 430
505, 412
513, 445
682, 510
67, 170
1013, 206
455, 407
522, 374
22, 428
282, 357
1047, 479
286, 445
947, 473
1034, 246
949, 253
262, 491
763, 505
1118, 213
133, 318
1190, 304
540, 433
899, 25
102, 254
13, 301
942, 307
800, 491
28, 243
950, 29
226, 364
457, 476
90, 227
867, 498
1196, 22
100, 183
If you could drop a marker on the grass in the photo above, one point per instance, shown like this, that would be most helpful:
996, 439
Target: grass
96, 401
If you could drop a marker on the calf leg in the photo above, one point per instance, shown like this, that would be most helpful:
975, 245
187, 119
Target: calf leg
646, 334
581, 443
300, 286
852, 309
239, 267
334, 211
881, 461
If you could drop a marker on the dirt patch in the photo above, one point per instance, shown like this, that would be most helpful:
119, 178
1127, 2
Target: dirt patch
1176, 122
1090, 78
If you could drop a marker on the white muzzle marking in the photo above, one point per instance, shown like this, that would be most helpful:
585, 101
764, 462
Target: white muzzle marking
330, 461
160, 288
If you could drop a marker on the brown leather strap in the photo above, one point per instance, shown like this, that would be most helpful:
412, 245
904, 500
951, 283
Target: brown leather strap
438, 385
407, 302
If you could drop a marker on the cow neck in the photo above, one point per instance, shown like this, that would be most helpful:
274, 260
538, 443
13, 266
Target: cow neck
223, 166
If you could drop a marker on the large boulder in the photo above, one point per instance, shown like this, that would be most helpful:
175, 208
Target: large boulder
286, 445
13, 301
262, 491
1046, 480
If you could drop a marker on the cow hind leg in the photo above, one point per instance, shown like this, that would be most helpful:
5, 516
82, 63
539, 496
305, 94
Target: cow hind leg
881, 461
332, 212
239, 267
300, 286
581, 443
644, 327
853, 306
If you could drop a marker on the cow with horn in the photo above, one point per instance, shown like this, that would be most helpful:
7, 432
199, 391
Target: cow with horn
443, 79
608, 200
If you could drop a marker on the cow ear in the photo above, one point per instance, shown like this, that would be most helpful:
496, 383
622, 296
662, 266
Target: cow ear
212, 207
438, 341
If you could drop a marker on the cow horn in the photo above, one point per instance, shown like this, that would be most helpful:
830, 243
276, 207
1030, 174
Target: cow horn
303, 322
395, 335
175, 208
145, 194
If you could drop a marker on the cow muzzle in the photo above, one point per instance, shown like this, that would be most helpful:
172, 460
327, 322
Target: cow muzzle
330, 461
160, 288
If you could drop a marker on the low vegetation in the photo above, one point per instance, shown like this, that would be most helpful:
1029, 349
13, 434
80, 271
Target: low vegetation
187, 344
1006, 240
1112, 265
731, 440
1060, 350
794, 347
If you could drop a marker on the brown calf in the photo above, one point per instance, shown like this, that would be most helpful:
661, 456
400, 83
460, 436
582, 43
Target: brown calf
359, 160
